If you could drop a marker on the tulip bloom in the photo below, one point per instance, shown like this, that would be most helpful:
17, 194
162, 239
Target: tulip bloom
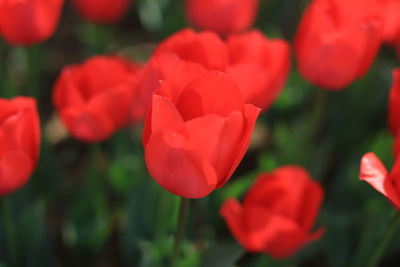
28, 22
374, 172
19, 142
259, 65
277, 214
195, 136
94, 98
102, 11
222, 17
391, 20
394, 104
181, 58
337, 41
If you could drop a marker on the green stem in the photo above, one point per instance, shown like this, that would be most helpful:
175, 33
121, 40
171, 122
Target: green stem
97, 37
317, 112
384, 242
183, 210
33, 72
9, 232
5, 86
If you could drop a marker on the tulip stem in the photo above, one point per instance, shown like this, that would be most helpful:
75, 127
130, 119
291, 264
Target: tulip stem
384, 242
34, 67
9, 231
183, 210
5, 86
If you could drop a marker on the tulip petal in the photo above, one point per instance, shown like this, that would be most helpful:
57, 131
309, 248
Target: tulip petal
250, 116
287, 243
313, 195
266, 231
15, 169
394, 103
392, 185
232, 212
332, 51
397, 147
174, 69
175, 164
204, 48
66, 93
226, 134
98, 119
164, 115
373, 172
205, 133
87, 126
213, 93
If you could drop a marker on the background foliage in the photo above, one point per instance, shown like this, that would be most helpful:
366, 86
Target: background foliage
95, 205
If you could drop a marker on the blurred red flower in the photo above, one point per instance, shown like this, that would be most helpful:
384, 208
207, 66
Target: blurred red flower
391, 20
374, 172
277, 214
19, 142
195, 136
259, 65
222, 16
337, 41
102, 11
94, 98
394, 104
28, 22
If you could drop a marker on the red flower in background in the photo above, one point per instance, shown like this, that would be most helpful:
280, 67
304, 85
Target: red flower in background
19, 142
195, 136
391, 20
28, 22
374, 172
222, 16
102, 11
259, 65
180, 58
337, 41
94, 98
277, 213
394, 104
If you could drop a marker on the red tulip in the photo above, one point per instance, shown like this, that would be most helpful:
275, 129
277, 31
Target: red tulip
374, 172
102, 11
195, 136
28, 22
394, 104
19, 142
222, 16
337, 41
94, 98
277, 214
391, 19
181, 58
259, 65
